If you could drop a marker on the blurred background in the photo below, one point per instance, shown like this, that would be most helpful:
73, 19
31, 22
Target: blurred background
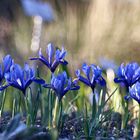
93, 31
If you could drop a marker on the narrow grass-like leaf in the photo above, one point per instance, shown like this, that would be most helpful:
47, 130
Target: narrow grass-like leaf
86, 122
60, 115
3, 102
110, 97
94, 108
35, 110
14, 108
67, 108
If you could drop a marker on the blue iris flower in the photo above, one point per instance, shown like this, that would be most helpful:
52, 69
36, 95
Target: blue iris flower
5, 66
54, 58
61, 84
20, 78
93, 76
128, 74
135, 92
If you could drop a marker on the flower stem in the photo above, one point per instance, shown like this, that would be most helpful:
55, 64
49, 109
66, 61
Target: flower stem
50, 108
94, 107
3, 102
13, 108
60, 115
55, 112
36, 107
125, 116
137, 128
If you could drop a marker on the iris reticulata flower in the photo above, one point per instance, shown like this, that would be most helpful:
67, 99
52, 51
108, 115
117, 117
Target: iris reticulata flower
20, 78
61, 84
5, 66
54, 57
128, 74
93, 76
135, 92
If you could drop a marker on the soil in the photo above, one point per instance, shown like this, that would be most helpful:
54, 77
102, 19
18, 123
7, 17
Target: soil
73, 129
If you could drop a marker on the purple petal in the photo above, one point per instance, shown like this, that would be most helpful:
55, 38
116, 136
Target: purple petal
4, 87
47, 86
7, 61
50, 52
62, 54
77, 72
84, 80
63, 62
39, 81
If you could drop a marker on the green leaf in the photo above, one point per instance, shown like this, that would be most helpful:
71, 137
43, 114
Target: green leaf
86, 122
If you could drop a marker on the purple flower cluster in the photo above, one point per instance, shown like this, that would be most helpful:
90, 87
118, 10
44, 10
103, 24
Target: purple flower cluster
93, 76
12, 74
61, 84
5, 66
53, 59
129, 75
